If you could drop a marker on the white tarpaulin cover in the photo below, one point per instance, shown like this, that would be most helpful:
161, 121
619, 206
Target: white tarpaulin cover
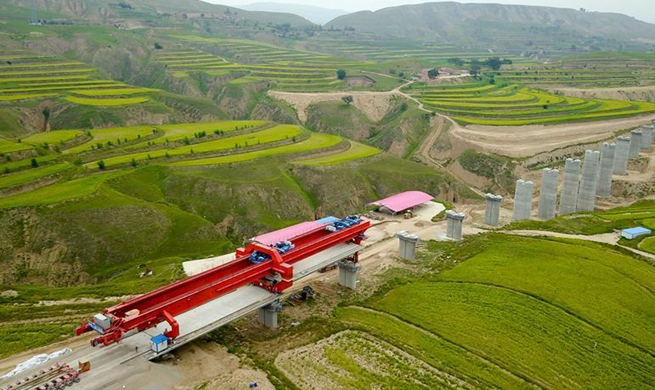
35, 361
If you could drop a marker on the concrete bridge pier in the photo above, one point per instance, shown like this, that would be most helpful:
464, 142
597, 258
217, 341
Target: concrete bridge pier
492, 212
407, 245
454, 222
348, 270
268, 314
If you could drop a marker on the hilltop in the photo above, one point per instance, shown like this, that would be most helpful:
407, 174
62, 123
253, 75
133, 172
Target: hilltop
498, 25
318, 15
148, 10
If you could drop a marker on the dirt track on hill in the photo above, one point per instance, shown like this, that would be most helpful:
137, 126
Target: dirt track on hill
524, 141
374, 105
644, 93
512, 141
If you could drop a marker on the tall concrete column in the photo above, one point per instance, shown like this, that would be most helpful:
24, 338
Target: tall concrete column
588, 181
407, 245
621, 155
607, 152
548, 194
569, 196
455, 221
492, 212
635, 143
268, 314
523, 199
646, 137
348, 270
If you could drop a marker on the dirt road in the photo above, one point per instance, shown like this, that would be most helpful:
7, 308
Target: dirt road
524, 141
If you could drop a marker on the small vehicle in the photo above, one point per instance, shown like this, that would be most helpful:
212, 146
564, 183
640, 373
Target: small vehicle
257, 257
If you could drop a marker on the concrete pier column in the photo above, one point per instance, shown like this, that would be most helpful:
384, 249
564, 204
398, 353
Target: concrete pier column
548, 194
348, 270
635, 143
492, 212
621, 155
268, 314
455, 221
607, 153
407, 245
569, 196
646, 137
523, 199
588, 181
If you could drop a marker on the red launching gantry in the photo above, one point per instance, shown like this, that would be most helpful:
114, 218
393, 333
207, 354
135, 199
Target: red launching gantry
269, 267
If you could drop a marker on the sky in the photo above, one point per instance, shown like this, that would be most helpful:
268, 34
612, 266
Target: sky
641, 9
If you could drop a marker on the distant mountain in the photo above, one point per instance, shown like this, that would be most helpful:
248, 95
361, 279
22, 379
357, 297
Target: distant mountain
95, 10
498, 25
317, 15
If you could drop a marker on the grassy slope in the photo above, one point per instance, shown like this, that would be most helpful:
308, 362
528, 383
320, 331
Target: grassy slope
519, 313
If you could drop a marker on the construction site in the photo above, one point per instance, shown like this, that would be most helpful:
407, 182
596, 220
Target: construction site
144, 332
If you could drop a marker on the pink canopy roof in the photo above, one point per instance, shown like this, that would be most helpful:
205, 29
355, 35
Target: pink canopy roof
404, 200
287, 233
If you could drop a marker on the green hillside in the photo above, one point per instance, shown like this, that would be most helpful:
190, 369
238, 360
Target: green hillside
498, 26
517, 313
105, 10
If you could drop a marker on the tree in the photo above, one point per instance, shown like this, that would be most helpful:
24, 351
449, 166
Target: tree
475, 68
341, 74
101, 165
433, 73
34, 163
158, 46
133, 162
347, 99
494, 63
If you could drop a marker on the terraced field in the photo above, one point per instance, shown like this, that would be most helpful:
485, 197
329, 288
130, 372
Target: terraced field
514, 105
508, 312
355, 151
380, 51
248, 61
73, 162
24, 76
587, 70
255, 61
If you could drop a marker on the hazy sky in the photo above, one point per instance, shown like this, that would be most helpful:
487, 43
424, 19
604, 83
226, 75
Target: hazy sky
641, 9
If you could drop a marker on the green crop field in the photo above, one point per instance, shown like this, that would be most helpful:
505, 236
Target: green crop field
273, 134
73, 169
37, 77
7, 146
314, 142
513, 105
107, 102
286, 69
114, 135
58, 192
355, 151
587, 70
53, 137
27, 176
498, 311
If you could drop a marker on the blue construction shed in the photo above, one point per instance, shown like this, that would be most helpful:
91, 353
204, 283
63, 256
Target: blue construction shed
635, 232
158, 343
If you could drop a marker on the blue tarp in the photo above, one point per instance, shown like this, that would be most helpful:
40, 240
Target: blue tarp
327, 220
160, 338
637, 230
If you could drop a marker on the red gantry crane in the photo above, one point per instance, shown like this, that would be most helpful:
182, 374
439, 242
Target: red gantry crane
269, 267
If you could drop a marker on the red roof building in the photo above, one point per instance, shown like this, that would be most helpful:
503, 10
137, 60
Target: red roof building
403, 201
